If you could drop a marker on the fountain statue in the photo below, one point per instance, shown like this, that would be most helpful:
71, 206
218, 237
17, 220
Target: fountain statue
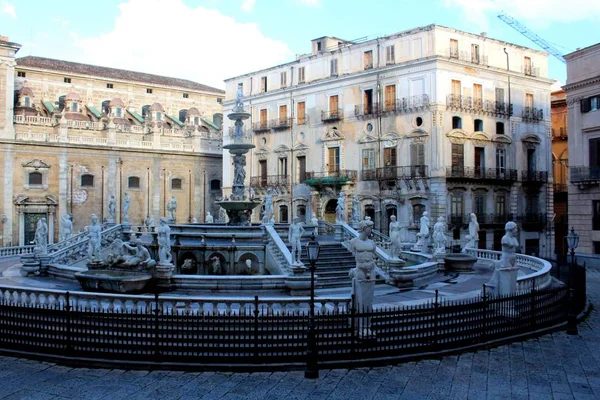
41, 237
473, 232
112, 207
67, 226
94, 231
164, 243
439, 236
239, 207
209, 218
355, 209
423, 235
172, 208
295, 232
340, 209
126, 208
396, 245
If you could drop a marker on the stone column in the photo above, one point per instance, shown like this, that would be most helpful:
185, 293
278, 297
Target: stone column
51, 225
22, 228
111, 137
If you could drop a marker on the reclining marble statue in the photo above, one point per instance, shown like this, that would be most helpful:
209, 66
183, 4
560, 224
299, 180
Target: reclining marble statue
130, 255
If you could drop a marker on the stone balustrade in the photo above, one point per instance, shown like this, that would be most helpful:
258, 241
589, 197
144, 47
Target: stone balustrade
15, 251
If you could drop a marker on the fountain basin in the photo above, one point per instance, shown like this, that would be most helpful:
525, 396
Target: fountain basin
113, 281
459, 262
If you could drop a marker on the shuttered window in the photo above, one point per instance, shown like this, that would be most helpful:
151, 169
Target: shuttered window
301, 112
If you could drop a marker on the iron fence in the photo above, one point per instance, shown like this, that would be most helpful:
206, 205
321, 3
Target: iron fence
255, 336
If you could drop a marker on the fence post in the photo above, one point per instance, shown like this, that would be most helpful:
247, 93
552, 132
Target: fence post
484, 299
69, 328
435, 320
256, 328
533, 305
352, 324
156, 330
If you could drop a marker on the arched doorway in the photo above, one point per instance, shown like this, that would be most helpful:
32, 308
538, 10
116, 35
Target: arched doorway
390, 210
283, 214
370, 212
329, 214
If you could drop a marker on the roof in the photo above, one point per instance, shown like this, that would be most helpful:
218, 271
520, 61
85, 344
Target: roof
215, 126
51, 64
94, 111
174, 119
49, 106
137, 116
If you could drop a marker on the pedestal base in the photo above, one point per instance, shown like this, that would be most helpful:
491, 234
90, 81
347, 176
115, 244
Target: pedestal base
162, 276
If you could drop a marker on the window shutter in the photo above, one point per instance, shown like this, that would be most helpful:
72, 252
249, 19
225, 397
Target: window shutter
585, 105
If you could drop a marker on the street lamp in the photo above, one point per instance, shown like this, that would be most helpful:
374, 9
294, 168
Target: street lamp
312, 370
572, 243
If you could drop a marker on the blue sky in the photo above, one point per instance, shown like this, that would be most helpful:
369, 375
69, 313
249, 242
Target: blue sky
199, 39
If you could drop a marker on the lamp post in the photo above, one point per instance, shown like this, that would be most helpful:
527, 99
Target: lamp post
312, 370
572, 243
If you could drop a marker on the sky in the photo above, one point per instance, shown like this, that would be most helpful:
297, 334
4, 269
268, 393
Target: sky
208, 41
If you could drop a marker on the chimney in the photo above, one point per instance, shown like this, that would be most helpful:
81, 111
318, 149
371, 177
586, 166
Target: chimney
484, 34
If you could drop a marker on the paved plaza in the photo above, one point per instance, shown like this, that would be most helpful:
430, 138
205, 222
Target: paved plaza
554, 366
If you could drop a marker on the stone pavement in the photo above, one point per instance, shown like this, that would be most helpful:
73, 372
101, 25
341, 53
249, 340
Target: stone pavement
555, 366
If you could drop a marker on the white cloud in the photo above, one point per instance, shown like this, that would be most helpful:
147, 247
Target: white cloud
536, 12
173, 39
8, 9
248, 5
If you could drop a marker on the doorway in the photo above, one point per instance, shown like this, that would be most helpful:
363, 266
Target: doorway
31, 220
330, 211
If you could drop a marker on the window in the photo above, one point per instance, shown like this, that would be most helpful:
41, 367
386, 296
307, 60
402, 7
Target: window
301, 112
283, 214
478, 125
418, 210
319, 46
499, 98
529, 100
186, 96
262, 167
596, 247
219, 100
368, 102
217, 119
149, 91
61, 103
368, 159
21, 74
417, 154
183, 115
456, 87
456, 204
456, 123
283, 77
390, 97
87, 180
301, 163
176, 184
283, 166
389, 157
35, 178
215, 184
475, 53
333, 105
527, 66
453, 48
118, 112
368, 59
109, 86
133, 182
263, 117
74, 107
531, 160
334, 160
590, 104
479, 205
263, 84
282, 114
67, 80
333, 70
594, 155
458, 157
501, 205
477, 97
499, 128
301, 75
500, 162
27, 101
390, 56
479, 161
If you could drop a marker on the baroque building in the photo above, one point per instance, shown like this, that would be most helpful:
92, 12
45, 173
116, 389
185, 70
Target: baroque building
73, 136
430, 119
583, 102
560, 161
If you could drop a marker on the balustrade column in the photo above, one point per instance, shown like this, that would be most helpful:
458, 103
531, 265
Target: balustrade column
21, 228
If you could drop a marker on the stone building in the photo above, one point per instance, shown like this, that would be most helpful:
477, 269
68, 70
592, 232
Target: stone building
560, 161
583, 101
429, 119
74, 135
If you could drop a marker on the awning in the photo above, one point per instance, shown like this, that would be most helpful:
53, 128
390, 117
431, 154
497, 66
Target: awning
94, 111
49, 106
217, 127
177, 121
137, 116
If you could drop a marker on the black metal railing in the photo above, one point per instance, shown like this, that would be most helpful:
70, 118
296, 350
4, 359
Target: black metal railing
583, 175
251, 336
266, 181
406, 104
532, 221
488, 218
280, 123
491, 174
478, 105
457, 219
534, 176
331, 177
470, 57
332, 115
531, 114
366, 111
260, 126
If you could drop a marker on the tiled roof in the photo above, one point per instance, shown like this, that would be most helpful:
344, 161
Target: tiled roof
112, 73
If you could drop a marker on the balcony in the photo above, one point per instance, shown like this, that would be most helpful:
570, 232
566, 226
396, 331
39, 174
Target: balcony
489, 175
366, 112
261, 126
529, 70
559, 133
333, 178
531, 114
331, 116
539, 177
407, 104
532, 221
584, 176
469, 57
458, 219
493, 219
266, 181
478, 106
280, 123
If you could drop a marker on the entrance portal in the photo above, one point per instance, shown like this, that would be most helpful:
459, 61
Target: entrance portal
330, 211
31, 220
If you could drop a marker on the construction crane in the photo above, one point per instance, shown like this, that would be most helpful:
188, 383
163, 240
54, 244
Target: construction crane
522, 29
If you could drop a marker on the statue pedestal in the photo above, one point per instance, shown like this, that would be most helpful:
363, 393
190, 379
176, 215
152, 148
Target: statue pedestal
363, 290
44, 261
29, 265
95, 264
507, 281
299, 282
162, 276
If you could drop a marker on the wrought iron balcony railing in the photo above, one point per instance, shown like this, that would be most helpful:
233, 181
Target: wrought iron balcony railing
584, 175
533, 221
366, 111
470, 57
490, 174
265, 181
457, 219
478, 106
406, 104
260, 126
396, 172
531, 114
338, 177
482, 218
534, 176
331, 116
280, 123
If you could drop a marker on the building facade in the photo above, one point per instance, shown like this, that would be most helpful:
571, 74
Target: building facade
428, 119
583, 100
75, 136
560, 161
